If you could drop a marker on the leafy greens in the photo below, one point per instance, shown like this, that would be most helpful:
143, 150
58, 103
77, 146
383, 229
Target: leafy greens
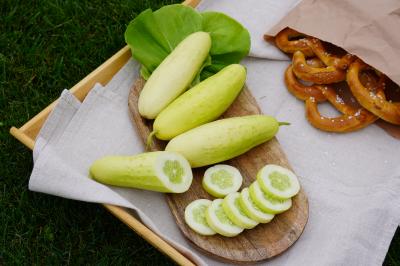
153, 35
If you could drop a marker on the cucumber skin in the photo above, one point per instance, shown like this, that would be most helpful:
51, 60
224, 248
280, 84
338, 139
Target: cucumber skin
223, 139
174, 75
128, 171
201, 104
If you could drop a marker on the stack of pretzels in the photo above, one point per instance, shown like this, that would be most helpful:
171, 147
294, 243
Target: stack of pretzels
314, 74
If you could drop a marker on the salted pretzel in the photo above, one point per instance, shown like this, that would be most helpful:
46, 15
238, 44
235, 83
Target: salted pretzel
315, 62
327, 58
319, 63
301, 91
374, 102
318, 75
351, 119
290, 41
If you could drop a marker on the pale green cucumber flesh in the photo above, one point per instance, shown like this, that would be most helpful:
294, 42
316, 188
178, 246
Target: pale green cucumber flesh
195, 217
235, 212
277, 181
219, 221
223, 139
174, 171
251, 209
266, 202
203, 103
220, 180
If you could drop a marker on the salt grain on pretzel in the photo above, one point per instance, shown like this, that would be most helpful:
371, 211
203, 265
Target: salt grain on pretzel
352, 119
290, 41
299, 90
375, 103
318, 75
329, 59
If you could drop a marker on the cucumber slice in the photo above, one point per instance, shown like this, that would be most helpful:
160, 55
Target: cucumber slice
219, 221
251, 209
277, 181
195, 217
158, 171
267, 203
234, 211
222, 179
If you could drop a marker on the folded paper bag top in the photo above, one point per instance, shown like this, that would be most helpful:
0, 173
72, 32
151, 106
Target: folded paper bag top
368, 29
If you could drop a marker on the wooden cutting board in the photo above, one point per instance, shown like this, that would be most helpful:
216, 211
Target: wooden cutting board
265, 240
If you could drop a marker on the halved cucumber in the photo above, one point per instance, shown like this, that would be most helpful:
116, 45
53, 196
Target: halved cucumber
219, 221
234, 211
195, 217
267, 203
251, 209
278, 181
158, 171
222, 179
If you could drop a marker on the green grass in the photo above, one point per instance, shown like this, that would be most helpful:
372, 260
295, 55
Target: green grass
46, 46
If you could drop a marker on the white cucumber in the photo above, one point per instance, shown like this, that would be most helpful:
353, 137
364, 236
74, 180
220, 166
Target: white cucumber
219, 221
235, 212
266, 202
222, 179
201, 104
157, 171
278, 181
223, 139
195, 217
251, 209
174, 75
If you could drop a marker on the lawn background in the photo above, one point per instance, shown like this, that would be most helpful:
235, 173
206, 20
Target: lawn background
46, 46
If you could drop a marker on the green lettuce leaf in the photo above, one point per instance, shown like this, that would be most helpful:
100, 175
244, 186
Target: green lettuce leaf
153, 35
146, 40
230, 40
176, 22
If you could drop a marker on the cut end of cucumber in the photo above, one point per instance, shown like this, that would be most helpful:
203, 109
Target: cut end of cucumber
221, 179
174, 171
251, 209
235, 212
195, 217
219, 221
278, 181
266, 202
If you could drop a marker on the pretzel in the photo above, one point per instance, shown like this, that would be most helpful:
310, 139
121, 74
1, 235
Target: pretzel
374, 102
315, 62
331, 64
300, 91
318, 75
284, 42
326, 57
351, 119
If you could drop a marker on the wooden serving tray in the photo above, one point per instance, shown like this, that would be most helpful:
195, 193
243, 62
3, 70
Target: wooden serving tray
265, 240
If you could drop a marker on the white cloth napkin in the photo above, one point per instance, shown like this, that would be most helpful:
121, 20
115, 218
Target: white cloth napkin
352, 180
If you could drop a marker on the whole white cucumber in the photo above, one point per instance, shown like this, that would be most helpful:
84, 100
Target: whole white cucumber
174, 75
224, 139
157, 171
201, 104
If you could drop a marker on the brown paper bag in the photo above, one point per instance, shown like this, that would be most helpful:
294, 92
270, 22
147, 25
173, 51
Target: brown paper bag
369, 29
